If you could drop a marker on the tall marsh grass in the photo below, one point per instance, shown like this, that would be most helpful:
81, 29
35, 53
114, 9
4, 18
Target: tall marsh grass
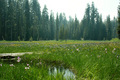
91, 60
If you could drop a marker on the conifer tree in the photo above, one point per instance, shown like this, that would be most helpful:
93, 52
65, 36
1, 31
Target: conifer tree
52, 26
108, 28
27, 17
57, 28
35, 19
118, 30
45, 23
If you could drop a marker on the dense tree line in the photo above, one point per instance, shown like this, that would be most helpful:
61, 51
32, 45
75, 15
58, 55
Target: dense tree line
24, 20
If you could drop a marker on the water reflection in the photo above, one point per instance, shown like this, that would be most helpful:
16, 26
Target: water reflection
66, 73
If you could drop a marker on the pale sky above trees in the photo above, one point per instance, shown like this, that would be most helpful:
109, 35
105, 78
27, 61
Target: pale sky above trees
77, 7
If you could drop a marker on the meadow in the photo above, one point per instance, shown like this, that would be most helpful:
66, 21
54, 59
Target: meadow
88, 60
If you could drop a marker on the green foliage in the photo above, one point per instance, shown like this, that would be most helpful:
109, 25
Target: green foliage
18, 38
31, 39
115, 39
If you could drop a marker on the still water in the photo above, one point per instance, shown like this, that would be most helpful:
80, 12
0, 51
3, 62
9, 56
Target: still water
66, 73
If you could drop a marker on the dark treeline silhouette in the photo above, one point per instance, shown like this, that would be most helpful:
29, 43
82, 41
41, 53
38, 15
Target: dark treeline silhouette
24, 20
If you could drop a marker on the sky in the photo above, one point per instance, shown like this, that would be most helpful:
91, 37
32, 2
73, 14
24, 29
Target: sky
77, 7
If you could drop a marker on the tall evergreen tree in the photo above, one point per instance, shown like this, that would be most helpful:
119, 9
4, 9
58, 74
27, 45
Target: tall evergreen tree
101, 29
45, 22
114, 28
52, 26
2, 19
76, 29
18, 17
66, 33
85, 24
35, 20
10, 22
108, 28
61, 33
20, 21
118, 29
93, 18
98, 27
57, 28
71, 26
27, 17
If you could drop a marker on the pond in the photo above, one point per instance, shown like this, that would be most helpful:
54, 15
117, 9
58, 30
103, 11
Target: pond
65, 72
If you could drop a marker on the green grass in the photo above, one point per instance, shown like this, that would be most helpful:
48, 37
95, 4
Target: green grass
90, 60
